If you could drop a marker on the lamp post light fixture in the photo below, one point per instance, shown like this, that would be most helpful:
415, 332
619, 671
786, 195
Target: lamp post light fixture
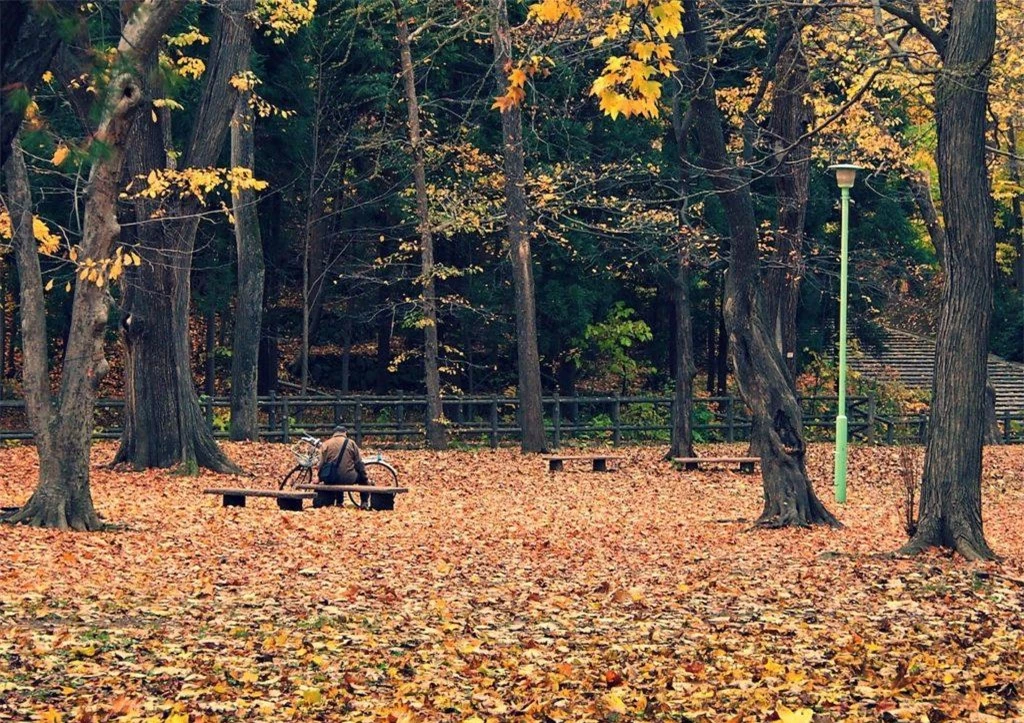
846, 174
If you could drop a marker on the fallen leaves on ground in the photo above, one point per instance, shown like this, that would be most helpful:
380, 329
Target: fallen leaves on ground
499, 592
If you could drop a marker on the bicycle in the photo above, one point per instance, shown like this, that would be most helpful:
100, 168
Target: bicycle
379, 472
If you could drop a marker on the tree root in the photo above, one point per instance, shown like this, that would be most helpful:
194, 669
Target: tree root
934, 533
36, 514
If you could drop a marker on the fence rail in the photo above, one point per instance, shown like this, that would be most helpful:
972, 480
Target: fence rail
492, 420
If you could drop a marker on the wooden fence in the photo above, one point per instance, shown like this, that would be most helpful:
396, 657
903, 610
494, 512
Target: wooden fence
492, 420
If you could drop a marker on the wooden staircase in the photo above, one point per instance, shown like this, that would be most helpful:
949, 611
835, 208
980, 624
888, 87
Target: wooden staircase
909, 359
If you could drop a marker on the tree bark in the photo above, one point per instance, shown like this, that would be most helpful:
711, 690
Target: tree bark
436, 435
1017, 208
531, 410
789, 498
684, 367
28, 40
63, 498
950, 507
249, 298
35, 367
790, 116
164, 424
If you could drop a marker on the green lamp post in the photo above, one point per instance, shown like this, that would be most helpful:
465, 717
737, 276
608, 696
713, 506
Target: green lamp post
846, 174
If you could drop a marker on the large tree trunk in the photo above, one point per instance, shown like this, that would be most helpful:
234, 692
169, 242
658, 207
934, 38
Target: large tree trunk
28, 40
164, 424
531, 411
950, 508
685, 369
35, 367
683, 366
789, 498
436, 436
62, 498
249, 298
791, 115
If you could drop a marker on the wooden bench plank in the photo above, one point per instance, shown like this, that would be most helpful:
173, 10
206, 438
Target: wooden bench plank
286, 499
581, 456
355, 488
378, 498
746, 463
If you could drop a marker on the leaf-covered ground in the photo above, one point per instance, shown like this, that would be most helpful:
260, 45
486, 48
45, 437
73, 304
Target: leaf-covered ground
498, 592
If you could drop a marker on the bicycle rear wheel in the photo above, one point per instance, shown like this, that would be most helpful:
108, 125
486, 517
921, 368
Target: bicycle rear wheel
378, 474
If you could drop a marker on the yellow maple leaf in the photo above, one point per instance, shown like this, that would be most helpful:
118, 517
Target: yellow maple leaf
801, 715
613, 703
59, 155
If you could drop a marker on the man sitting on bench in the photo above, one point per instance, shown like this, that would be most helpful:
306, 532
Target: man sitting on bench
340, 464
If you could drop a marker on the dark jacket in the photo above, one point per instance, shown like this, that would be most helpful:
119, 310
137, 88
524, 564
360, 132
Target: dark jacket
350, 468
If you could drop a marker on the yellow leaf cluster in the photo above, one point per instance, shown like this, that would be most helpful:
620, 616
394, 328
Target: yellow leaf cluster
6, 230
197, 183
59, 155
190, 67
190, 36
282, 18
101, 271
552, 11
517, 77
629, 85
48, 241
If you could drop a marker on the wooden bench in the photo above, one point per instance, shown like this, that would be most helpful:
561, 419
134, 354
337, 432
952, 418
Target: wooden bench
746, 463
556, 462
286, 499
380, 498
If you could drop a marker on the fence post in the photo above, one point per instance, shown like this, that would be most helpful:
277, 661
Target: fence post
272, 412
556, 418
616, 422
872, 404
337, 413
359, 423
730, 420
1006, 428
494, 423
285, 422
576, 412
209, 412
400, 413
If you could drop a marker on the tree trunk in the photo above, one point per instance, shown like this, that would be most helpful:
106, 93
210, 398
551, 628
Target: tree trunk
210, 380
791, 115
63, 498
1017, 208
685, 370
436, 435
35, 367
28, 40
950, 508
921, 189
249, 299
993, 435
530, 401
164, 424
789, 498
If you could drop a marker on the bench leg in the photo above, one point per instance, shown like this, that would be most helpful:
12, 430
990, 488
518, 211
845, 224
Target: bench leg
747, 467
555, 465
691, 465
289, 504
234, 500
600, 465
382, 502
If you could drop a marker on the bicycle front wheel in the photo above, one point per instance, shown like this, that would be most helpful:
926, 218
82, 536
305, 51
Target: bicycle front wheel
299, 475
